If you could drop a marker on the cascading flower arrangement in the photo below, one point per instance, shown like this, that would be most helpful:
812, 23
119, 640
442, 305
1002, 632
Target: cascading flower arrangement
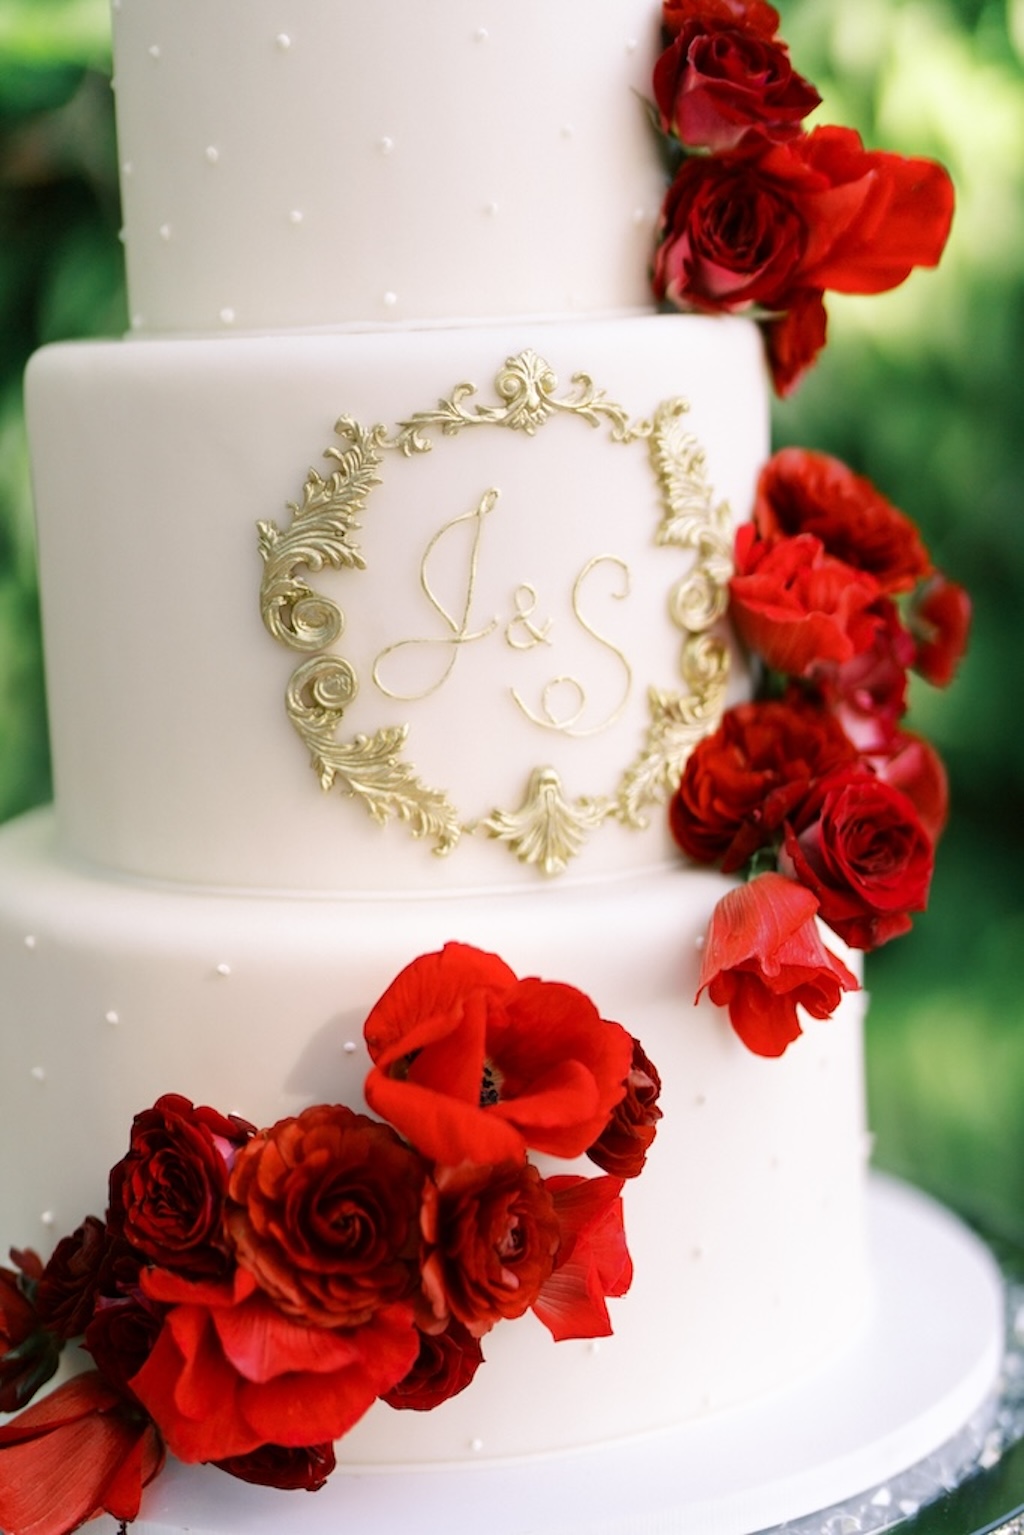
815, 790
251, 1293
762, 216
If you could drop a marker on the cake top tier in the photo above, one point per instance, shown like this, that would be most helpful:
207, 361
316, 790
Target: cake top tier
322, 163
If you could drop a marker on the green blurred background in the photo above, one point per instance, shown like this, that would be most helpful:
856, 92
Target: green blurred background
918, 389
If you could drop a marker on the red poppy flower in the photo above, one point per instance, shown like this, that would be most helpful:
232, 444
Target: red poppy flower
764, 958
593, 1260
473, 1064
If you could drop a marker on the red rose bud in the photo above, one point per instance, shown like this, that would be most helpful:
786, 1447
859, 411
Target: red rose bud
803, 492
764, 958
302, 1468
941, 623
859, 845
80, 1452
446, 1364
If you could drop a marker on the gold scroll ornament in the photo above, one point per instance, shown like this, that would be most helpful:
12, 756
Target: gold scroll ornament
547, 829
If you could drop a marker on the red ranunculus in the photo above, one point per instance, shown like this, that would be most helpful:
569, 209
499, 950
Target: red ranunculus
798, 608
29, 1353
722, 77
446, 1364
472, 1064
167, 1193
803, 492
491, 1236
70, 1283
764, 958
296, 1468
741, 782
120, 1337
622, 1147
82, 1451
941, 623
230, 1373
324, 1212
593, 1260
860, 847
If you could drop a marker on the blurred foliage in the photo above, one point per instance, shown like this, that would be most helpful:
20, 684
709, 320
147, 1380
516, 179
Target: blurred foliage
918, 389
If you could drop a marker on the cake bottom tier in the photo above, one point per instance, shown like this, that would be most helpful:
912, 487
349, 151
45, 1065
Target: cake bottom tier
746, 1228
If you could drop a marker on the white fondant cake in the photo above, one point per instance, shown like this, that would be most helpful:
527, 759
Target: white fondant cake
493, 616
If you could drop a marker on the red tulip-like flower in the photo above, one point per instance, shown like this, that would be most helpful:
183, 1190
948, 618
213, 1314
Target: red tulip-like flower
473, 1064
82, 1451
764, 958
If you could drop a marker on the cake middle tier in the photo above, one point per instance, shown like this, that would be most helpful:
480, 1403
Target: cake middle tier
472, 645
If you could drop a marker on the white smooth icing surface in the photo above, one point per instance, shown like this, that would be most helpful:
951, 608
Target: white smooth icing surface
327, 164
153, 462
745, 1228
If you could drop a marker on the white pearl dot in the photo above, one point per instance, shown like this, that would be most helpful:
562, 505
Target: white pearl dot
481, 35
38, 1074
127, 167
165, 231
223, 969
386, 144
154, 50
594, 1346
212, 154
631, 45
47, 1218
391, 299
296, 216
227, 317
700, 1100
111, 1017
138, 321
30, 940
349, 1047
476, 1445
699, 944
639, 216
283, 41
491, 209
568, 131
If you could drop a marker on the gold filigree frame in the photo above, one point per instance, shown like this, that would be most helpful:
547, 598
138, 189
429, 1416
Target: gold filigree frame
547, 829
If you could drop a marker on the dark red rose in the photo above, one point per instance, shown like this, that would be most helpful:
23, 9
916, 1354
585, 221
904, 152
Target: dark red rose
764, 958
70, 1283
755, 16
324, 1213
803, 492
722, 78
798, 608
868, 693
941, 623
446, 1364
29, 1354
860, 847
473, 1064
230, 1373
491, 1236
741, 782
121, 1336
167, 1193
913, 766
298, 1469
622, 1146
593, 1260
82, 1451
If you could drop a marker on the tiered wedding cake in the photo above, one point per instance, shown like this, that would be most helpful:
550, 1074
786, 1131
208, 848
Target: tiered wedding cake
408, 245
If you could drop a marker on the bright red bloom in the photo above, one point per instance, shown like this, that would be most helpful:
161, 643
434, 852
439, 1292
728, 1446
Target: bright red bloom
743, 781
229, 1373
798, 608
472, 1064
593, 1260
803, 492
302, 1468
941, 623
446, 1364
324, 1212
491, 1237
764, 958
82, 1451
622, 1147
723, 76
859, 845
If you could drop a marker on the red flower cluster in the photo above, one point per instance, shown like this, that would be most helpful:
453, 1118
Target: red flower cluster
836, 594
763, 217
252, 1293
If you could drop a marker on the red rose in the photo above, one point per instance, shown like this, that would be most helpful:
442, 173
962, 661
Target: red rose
167, 1193
295, 1469
622, 1146
446, 1364
324, 1213
764, 958
941, 622
593, 1260
491, 1236
472, 1064
741, 782
859, 845
29, 1354
798, 608
229, 1373
82, 1451
756, 16
70, 1283
722, 78
803, 492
